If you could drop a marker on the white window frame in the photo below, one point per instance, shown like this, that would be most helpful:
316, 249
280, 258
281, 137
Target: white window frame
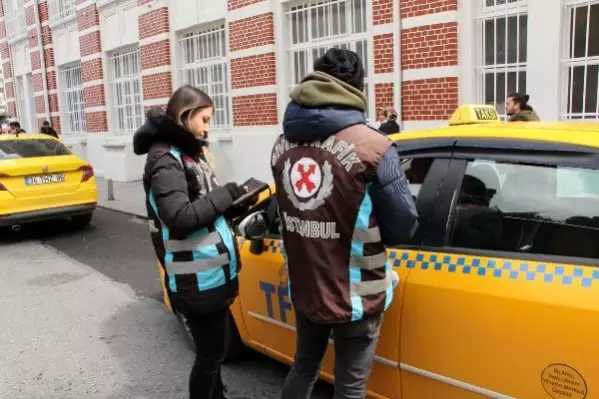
61, 11
204, 63
349, 39
72, 104
569, 62
126, 90
495, 10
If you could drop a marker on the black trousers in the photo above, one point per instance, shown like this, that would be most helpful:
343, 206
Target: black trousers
210, 333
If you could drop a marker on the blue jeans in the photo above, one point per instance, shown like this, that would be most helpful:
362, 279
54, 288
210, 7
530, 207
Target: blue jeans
355, 345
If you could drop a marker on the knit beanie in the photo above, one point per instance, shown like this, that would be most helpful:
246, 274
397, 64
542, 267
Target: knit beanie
344, 65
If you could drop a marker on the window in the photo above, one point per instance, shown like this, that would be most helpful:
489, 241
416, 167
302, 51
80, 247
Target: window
60, 10
27, 148
503, 28
582, 62
528, 209
72, 104
125, 89
204, 65
416, 170
316, 27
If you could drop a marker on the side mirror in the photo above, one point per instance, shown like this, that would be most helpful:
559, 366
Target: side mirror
254, 226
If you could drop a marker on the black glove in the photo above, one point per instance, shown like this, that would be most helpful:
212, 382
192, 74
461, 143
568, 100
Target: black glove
235, 190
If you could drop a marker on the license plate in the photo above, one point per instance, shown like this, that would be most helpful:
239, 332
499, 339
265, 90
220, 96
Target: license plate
44, 179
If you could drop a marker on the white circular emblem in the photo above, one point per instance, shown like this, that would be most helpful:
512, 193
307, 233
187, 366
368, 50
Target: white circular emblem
306, 177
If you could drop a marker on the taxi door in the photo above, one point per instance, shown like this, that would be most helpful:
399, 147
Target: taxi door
265, 302
503, 300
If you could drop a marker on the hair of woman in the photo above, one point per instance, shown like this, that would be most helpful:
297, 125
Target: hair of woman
183, 104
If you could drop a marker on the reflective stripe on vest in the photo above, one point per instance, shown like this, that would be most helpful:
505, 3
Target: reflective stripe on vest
207, 262
192, 242
366, 235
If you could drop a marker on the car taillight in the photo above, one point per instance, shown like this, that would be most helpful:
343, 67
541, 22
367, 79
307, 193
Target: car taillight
88, 173
2, 188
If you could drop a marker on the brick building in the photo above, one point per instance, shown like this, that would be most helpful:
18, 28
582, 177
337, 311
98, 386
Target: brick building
93, 66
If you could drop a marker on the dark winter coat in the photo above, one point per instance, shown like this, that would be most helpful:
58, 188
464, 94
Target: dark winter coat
193, 240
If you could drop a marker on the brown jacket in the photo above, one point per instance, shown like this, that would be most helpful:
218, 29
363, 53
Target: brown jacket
338, 268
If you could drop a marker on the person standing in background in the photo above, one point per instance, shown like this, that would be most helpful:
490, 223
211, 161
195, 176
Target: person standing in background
15, 128
390, 126
49, 130
517, 108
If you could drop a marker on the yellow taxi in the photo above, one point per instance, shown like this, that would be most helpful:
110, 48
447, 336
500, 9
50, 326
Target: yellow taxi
41, 179
499, 288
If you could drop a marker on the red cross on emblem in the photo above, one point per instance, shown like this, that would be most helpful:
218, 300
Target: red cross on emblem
304, 180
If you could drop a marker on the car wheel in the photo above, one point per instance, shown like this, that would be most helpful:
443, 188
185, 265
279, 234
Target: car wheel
82, 220
235, 345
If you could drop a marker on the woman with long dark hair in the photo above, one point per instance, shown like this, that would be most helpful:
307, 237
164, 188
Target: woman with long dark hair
189, 216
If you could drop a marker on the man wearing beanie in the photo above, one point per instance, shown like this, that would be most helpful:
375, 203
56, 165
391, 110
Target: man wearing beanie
342, 197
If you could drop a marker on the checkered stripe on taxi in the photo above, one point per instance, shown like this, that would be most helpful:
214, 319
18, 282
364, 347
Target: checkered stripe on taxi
478, 266
274, 246
544, 272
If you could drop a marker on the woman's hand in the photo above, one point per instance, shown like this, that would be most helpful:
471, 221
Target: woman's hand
235, 190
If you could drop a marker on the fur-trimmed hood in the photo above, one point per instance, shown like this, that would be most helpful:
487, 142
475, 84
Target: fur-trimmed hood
159, 128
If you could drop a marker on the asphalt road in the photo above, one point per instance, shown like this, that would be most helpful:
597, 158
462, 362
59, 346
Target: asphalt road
94, 326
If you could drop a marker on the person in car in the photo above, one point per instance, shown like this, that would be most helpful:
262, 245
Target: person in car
189, 212
344, 181
517, 108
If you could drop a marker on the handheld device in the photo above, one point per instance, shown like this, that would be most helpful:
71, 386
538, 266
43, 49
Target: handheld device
253, 187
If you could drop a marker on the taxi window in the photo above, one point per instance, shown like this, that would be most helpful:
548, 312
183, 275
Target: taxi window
416, 170
528, 209
31, 148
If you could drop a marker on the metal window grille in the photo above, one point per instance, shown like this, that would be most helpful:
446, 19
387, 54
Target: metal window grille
72, 103
125, 88
582, 62
314, 27
204, 65
502, 62
59, 10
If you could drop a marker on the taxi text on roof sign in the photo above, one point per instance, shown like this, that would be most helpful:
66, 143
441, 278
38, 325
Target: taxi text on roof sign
469, 114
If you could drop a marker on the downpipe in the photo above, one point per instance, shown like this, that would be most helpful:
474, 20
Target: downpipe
40, 44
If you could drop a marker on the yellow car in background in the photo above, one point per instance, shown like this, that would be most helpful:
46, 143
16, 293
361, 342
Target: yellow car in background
41, 179
499, 287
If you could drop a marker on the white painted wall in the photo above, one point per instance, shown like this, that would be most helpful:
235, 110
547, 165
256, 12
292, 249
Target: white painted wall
20, 58
189, 13
118, 24
66, 43
545, 39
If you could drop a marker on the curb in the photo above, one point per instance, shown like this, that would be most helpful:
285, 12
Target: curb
144, 217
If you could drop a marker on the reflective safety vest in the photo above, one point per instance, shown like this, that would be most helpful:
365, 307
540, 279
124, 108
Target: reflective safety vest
337, 263
201, 269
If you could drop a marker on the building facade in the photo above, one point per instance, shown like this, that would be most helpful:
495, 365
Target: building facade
93, 67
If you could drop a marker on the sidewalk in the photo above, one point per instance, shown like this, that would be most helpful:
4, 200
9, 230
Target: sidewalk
128, 197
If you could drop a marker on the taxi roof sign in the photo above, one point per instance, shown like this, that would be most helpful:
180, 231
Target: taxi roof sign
470, 114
